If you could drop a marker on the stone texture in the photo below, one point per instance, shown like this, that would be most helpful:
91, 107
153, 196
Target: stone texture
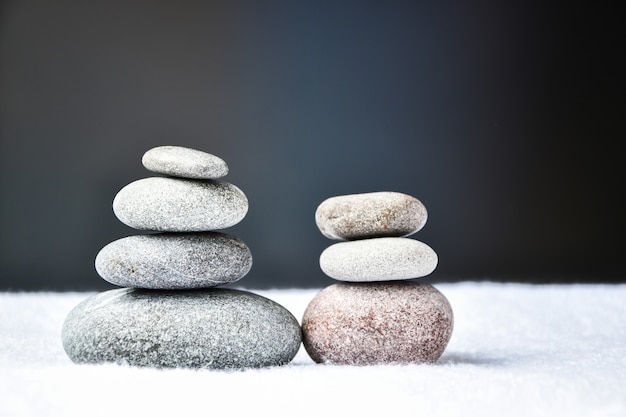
179, 205
174, 260
184, 162
377, 323
367, 215
379, 259
215, 328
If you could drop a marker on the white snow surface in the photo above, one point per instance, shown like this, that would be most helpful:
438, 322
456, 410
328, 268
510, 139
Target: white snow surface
516, 350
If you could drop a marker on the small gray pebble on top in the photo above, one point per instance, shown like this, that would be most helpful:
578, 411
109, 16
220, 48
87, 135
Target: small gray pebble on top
174, 260
180, 205
378, 259
368, 215
184, 162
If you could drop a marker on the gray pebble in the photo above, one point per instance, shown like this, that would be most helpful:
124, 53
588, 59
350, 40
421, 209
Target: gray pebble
174, 260
179, 205
367, 215
184, 162
379, 259
377, 323
215, 328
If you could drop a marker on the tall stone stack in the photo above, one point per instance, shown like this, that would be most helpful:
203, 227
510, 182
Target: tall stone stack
170, 313
376, 314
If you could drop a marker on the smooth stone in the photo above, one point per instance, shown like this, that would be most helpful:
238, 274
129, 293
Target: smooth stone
179, 205
379, 259
184, 162
368, 215
174, 260
214, 328
394, 322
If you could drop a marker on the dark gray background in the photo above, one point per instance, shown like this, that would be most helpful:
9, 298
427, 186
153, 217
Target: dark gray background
504, 118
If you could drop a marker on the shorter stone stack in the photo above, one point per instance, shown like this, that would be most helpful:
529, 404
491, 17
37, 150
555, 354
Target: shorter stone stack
170, 314
376, 315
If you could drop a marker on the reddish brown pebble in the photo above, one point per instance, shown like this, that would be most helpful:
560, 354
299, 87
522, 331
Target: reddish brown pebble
377, 323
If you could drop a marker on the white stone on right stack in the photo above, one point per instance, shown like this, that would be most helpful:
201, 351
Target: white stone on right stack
376, 226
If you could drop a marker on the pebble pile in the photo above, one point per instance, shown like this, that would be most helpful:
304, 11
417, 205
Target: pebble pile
376, 314
170, 313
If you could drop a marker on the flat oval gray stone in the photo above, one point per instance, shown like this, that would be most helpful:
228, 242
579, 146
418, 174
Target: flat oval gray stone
214, 328
393, 322
179, 205
179, 161
378, 259
174, 260
367, 215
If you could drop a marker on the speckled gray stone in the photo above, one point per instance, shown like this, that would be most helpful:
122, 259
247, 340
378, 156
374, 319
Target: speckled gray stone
180, 205
378, 259
214, 328
184, 162
174, 260
367, 215
377, 323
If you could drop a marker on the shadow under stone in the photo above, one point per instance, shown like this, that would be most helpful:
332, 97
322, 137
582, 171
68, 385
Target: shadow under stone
461, 358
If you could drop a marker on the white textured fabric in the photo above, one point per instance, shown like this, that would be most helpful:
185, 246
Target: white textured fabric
516, 350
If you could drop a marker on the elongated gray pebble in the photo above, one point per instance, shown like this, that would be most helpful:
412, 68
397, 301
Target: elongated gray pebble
215, 328
377, 323
174, 260
179, 205
378, 259
184, 162
368, 215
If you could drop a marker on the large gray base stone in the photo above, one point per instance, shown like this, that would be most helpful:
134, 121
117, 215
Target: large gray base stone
215, 328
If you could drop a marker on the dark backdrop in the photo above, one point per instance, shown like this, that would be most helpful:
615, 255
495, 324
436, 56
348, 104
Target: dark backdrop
504, 118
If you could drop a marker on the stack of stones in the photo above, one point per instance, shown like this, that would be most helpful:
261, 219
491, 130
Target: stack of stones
170, 314
376, 315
